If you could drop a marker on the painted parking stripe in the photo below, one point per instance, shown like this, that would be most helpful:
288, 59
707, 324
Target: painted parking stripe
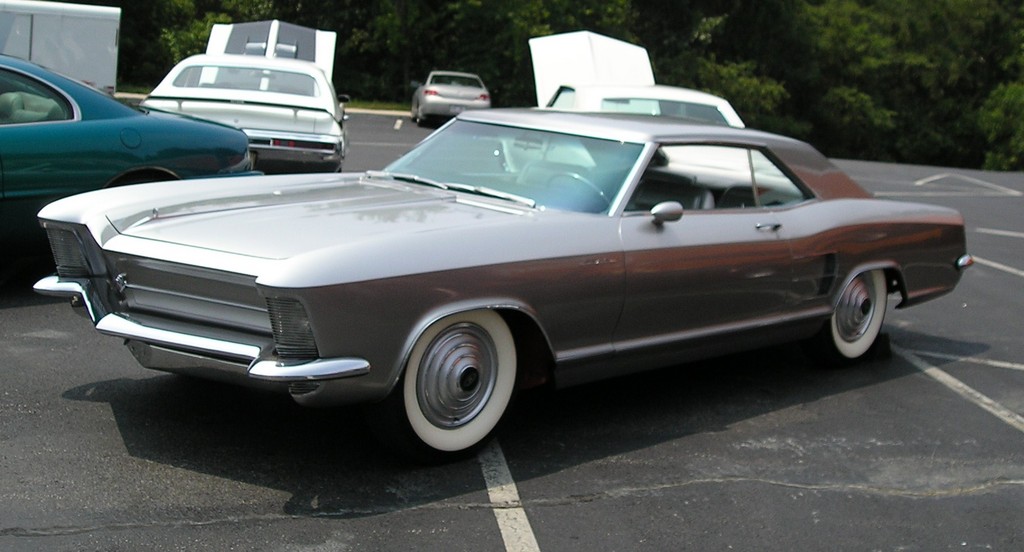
1003, 190
999, 266
940, 194
996, 409
1004, 233
975, 360
508, 509
969, 187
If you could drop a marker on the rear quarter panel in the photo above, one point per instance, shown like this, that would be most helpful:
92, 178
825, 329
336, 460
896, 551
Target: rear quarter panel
834, 240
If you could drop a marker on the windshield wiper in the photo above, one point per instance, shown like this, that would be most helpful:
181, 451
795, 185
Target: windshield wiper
407, 178
491, 192
478, 190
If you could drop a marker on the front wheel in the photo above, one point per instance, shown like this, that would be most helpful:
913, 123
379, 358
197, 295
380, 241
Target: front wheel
856, 322
457, 385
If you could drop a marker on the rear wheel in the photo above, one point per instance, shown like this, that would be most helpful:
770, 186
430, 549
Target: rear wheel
853, 329
457, 385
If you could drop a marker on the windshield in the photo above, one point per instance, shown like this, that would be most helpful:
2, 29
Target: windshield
456, 80
247, 78
559, 171
665, 108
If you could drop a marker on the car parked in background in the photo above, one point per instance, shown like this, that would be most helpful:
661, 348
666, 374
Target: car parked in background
510, 249
446, 94
60, 137
656, 99
288, 107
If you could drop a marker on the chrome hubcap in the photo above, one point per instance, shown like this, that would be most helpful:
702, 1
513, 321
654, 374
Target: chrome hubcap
856, 309
456, 375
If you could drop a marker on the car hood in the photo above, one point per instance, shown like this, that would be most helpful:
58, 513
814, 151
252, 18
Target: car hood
282, 222
323, 229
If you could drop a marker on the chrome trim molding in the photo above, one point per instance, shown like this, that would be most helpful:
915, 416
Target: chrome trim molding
314, 370
272, 370
118, 326
53, 286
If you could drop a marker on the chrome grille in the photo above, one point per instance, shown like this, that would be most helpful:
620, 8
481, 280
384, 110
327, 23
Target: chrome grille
303, 387
67, 253
293, 336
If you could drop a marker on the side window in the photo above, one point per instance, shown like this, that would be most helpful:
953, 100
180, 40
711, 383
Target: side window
714, 177
24, 100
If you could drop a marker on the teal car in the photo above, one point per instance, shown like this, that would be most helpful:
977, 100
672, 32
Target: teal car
60, 137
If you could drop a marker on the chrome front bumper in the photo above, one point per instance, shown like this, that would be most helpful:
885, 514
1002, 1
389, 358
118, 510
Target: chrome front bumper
218, 350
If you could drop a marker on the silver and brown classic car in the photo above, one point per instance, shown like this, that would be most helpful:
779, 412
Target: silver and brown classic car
510, 249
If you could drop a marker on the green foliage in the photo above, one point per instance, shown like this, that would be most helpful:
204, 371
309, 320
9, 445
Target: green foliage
935, 81
191, 39
756, 96
1000, 120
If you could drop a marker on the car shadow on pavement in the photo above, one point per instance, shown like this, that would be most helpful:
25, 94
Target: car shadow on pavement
332, 467
18, 275
324, 458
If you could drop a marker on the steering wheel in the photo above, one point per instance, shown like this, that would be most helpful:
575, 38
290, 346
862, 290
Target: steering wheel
596, 200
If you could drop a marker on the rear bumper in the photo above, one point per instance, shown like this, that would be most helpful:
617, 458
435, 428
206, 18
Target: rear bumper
448, 107
291, 152
279, 161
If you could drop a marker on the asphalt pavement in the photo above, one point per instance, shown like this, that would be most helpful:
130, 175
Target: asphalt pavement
921, 450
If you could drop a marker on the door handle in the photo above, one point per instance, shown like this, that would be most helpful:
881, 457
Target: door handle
768, 227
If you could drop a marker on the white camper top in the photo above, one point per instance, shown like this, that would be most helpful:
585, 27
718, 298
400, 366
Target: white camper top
584, 57
275, 39
654, 99
76, 40
60, 8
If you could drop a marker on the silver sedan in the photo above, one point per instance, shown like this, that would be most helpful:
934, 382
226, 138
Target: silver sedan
446, 94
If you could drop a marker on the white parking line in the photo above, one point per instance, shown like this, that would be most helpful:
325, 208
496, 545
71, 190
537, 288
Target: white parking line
1005, 233
975, 360
968, 190
508, 509
999, 411
999, 266
1001, 189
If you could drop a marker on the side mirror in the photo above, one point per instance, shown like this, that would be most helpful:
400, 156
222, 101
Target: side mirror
344, 98
415, 84
667, 211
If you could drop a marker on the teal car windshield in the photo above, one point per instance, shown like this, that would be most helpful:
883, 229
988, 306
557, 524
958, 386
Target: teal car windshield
559, 171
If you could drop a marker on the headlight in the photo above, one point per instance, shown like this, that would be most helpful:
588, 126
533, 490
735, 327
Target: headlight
68, 254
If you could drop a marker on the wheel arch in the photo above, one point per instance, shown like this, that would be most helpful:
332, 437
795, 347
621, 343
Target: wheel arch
142, 175
534, 354
894, 281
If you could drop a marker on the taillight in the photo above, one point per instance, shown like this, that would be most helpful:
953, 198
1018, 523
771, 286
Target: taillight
430, 92
300, 144
484, 97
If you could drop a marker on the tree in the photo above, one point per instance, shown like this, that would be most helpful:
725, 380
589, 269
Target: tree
935, 81
1000, 120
